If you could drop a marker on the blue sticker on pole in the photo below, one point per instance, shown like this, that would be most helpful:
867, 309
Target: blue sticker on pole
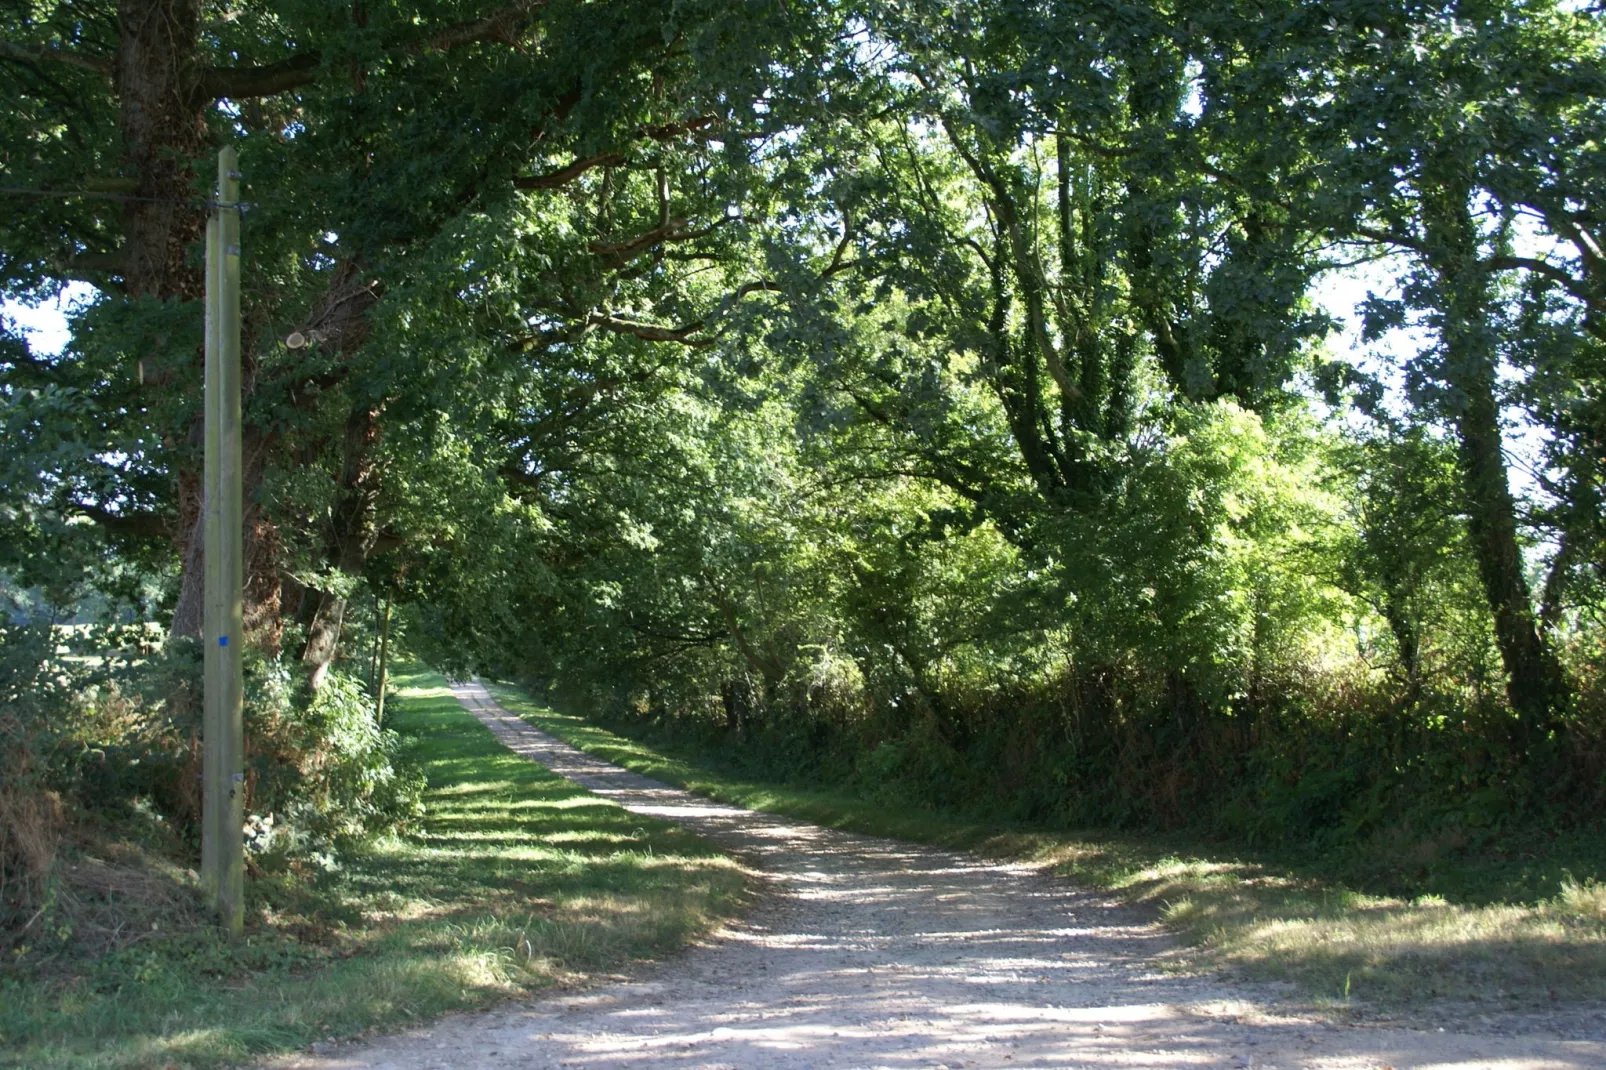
222, 640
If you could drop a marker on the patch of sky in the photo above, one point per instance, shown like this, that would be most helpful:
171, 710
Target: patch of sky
44, 324
1193, 103
1342, 292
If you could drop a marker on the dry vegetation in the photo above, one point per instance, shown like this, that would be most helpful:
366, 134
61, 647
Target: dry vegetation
1339, 943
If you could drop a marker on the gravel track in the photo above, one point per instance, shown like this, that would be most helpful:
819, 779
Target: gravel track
877, 953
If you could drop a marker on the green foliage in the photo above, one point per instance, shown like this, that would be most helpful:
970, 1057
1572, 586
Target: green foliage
352, 782
29, 741
110, 742
932, 398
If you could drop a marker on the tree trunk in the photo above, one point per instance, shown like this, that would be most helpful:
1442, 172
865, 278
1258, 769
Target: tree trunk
264, 582
353, 535
163, 125
341, 319
191, 592
1534, 682
734, 695
384, 664
1407, 638
161, 119
1535, 685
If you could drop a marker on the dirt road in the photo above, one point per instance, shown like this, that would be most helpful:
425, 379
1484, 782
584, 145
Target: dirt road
875, 953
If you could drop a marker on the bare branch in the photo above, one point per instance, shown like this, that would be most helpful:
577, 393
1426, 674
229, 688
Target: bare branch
45, 54
111, 263
671, 131
386, 541
687, 640
760, 286
238, 83
542, 341
837, 264
138, 525
95, 268
241, 83
665, 232
1092, 144
568, 173
651, 332
564, 175
692, 334
1567, 280
673, 230
1391, 237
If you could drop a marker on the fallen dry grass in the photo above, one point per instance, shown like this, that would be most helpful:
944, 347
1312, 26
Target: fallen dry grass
1341, 944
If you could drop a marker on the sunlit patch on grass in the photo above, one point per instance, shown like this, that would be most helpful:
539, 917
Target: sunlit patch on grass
1342, 943
426, 692
189, 1042
473, 788
592, 836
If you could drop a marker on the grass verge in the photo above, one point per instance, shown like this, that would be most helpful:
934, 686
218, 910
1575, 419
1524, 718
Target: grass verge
1260, 916
514, 879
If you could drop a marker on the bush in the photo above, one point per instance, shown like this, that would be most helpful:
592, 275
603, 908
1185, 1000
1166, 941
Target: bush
100, 753
324, 769
30, 811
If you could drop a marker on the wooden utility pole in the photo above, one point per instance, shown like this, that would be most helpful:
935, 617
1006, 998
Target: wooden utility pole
223, 759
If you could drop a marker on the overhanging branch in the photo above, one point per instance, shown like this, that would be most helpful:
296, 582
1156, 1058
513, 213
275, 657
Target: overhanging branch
241, 83
506, 25
622, 252
46, 54
663, 132
1568, 281
697, 124
138, 525
651, 332
564, 175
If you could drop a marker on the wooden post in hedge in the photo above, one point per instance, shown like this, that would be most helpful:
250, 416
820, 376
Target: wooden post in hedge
384, 665
223, 759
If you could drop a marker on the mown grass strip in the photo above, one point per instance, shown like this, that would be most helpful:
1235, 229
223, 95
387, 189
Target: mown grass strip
1262, 917
515, 879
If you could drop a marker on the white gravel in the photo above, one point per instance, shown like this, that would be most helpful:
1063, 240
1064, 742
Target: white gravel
876, 953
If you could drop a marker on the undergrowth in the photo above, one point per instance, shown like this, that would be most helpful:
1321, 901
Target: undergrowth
100, 761
512, 880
